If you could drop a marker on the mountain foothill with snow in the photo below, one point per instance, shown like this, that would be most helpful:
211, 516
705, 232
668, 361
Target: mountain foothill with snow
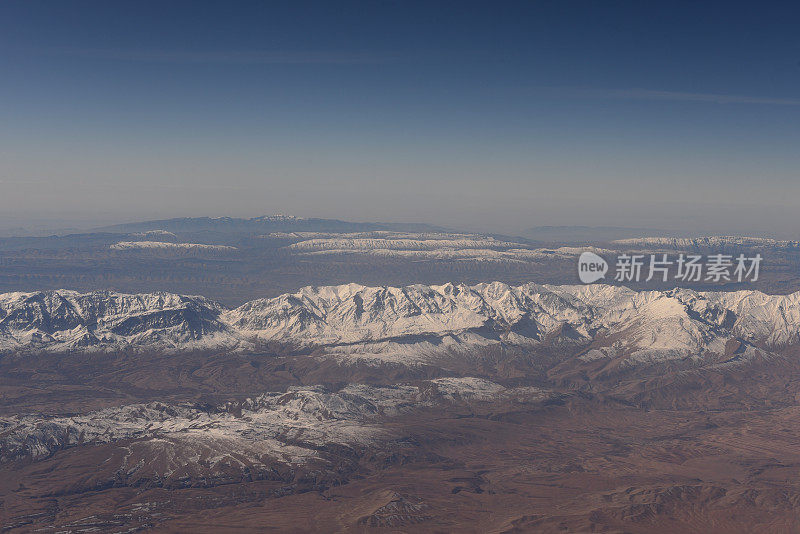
389, 377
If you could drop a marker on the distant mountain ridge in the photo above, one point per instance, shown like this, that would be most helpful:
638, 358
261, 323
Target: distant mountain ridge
263, 224
585, 234
687, 243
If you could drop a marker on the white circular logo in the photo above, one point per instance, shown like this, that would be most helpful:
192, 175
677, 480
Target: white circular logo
591, 267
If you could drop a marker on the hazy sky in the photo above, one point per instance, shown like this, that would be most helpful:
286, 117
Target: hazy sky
494, 115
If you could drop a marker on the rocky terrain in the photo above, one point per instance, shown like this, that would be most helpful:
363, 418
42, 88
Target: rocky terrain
483, 408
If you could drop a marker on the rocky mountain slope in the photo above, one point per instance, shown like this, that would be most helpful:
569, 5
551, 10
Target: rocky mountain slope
287, 427
62, 320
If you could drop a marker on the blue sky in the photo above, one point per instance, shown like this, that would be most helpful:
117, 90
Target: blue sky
497, 115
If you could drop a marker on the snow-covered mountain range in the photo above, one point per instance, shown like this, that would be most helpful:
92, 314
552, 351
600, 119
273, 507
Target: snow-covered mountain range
409, 323
167, 245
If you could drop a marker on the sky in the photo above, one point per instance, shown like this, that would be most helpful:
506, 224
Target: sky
493, 116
